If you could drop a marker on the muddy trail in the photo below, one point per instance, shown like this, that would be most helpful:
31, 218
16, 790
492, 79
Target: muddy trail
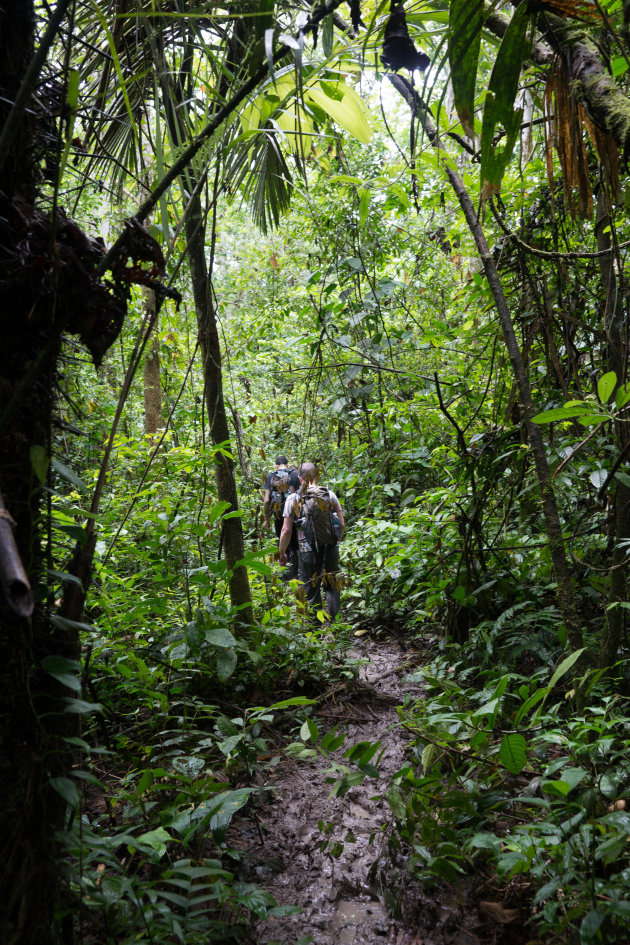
328, 855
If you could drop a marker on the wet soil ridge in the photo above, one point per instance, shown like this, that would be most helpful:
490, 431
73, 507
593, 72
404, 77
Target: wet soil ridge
319, 852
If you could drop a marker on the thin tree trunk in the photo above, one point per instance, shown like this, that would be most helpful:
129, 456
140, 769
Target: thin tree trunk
233, 543
151, 376
232, 534
565, 590
617, 362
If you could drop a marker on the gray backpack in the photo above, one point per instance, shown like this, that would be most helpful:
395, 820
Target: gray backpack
317, 512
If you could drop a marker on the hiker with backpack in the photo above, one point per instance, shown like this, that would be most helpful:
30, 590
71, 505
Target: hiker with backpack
315, 513
281, 482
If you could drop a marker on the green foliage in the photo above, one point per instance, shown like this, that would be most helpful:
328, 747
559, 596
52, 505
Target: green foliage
550, 778
359, 331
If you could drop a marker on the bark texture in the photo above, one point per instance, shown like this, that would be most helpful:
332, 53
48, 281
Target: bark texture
32, 721
152, 383
606, 104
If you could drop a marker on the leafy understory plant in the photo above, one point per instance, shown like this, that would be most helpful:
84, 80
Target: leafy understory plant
512, 781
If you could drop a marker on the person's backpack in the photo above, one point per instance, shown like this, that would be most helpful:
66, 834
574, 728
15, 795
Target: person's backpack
317, 514
279, 489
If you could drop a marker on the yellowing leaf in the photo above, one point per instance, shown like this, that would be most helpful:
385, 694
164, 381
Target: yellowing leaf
347, 110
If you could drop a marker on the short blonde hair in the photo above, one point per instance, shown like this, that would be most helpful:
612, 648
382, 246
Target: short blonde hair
308, 471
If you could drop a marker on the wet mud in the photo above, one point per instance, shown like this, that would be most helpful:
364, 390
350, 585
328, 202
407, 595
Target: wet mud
328, 856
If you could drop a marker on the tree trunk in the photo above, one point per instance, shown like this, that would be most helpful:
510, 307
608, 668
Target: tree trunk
195, 228
565, 590
614, 324
151, 376
32, 721
233, 544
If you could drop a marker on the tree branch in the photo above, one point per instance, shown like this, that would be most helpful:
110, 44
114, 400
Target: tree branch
188, 154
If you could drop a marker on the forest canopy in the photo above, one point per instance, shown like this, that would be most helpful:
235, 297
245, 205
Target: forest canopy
387, 239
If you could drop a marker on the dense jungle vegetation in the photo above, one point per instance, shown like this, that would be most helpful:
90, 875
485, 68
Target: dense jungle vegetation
389, 241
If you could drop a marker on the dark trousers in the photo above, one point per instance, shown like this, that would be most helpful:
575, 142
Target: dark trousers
310, 567
291, 570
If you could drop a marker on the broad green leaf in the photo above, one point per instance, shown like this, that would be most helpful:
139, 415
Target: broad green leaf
489, 708
559, 787
224, 806
598, 478
331, 741
513, 752
154, 840
485, 841
429, 754
619, 66
62, 470
80, 707
499, 114
190, 766
269, 52
364, 205
216, 511
605, 386
64, 670
219, 636
622, 396
67, 789
565, 666
348, 111
39, 461
328, 35
287, 703
592, 419
65, 577
309, 731
529, 703
226, 664
464, 38
259, 566
264, 20
561, 413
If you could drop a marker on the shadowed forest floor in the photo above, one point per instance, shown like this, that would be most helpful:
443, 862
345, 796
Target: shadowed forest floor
330, 856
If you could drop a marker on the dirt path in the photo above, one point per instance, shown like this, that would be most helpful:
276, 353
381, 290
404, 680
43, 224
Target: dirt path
341, 903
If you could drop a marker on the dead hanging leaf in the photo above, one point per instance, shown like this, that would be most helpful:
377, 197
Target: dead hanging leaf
608, 155
567, 120
399, 51
574, 9
273, 261
497, 912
